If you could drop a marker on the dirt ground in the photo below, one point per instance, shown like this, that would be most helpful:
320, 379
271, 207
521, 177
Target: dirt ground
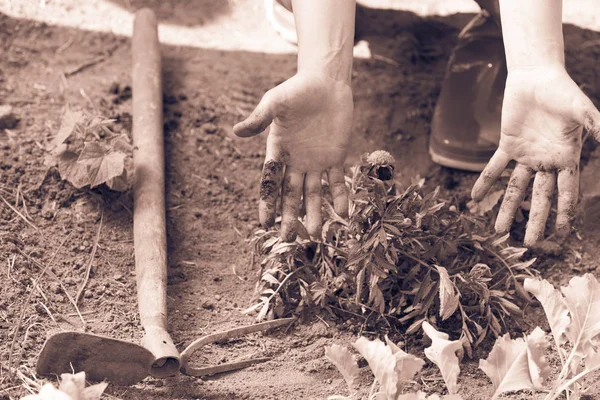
212, 193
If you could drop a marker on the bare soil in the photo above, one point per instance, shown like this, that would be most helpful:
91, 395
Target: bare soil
212, 197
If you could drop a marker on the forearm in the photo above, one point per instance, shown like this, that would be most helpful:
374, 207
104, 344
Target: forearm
532, 32
325, 36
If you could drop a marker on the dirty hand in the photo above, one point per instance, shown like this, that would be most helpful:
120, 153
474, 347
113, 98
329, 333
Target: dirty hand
544, 113
310, 118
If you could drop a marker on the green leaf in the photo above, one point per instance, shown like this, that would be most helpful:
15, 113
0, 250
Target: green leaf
344, 362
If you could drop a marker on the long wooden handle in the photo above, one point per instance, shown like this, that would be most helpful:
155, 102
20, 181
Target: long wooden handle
149, 224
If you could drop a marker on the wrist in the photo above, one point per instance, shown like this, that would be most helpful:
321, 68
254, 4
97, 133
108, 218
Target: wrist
325, 36
532, 33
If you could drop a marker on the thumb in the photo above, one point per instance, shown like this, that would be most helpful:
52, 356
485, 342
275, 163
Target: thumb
589, 117
261, 117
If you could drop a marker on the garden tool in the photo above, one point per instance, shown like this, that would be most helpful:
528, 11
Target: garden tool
209, 370
114, 360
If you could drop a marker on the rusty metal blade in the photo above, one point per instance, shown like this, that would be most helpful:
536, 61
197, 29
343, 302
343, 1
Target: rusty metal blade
102, 358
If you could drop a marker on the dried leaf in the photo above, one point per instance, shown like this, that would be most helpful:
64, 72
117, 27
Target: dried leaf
442, 353
582, 298
391, 367
344, 361
486, 204
554, 307
448, 295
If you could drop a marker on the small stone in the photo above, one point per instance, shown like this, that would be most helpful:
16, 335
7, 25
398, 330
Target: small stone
114, 88
208, 305
8, 120
210, 128
217, 297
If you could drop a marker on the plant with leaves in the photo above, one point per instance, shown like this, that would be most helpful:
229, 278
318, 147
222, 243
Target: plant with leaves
402, 256
88, 153
72, 387
573, 314
394, 369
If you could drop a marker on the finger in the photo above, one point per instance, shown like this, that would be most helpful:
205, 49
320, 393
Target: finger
515, 192
568, 192
261, 117
589, 117
312, 202
290, 204
337, 186
270, 183
543, 188
490, 175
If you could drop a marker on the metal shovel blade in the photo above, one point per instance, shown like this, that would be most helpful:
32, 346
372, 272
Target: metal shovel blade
102, 358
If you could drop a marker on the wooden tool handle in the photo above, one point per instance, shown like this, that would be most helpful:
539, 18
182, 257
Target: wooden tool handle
149, 224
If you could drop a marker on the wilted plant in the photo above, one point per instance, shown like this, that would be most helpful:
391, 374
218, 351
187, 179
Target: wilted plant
406, 256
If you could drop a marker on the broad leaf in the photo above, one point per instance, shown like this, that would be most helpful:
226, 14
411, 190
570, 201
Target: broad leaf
448, 295
582, 298
391, 367
442, 353
102, 164
539, 370
68, 124
72, 171
554, 307
344, 361
509, 367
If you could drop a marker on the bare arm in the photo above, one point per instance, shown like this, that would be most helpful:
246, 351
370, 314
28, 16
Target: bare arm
543, 115
325, 31
532, 32
310, 119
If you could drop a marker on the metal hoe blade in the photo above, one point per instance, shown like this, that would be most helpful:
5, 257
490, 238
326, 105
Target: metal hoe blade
208, 370
102, 358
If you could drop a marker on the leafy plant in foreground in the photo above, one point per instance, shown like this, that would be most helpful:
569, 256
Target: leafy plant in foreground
72, 387
88, 153
393, 368
403, 257
573, 314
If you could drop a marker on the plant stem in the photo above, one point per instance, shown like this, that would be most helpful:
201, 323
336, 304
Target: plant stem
553, 395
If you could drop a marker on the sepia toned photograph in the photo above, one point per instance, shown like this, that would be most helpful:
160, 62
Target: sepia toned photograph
299, 199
